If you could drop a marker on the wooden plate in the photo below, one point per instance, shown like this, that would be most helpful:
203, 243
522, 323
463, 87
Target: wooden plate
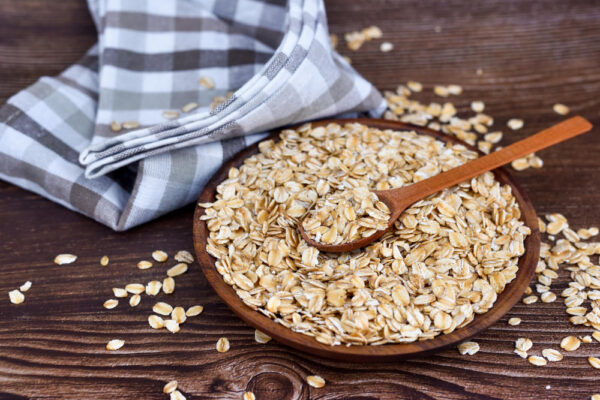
511, 294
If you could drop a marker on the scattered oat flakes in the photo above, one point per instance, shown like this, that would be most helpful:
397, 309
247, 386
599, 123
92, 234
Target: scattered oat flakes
207, 82
63, 259
162, 308
578, 320
537, 360
560, 109
469, 348
548, 297
596, 335
110, 304
160, 256
570, 343
194, 311
153, 288
514, 321
25, 287
386, 47
587, 233
523, 344
354, 40
480, 128
261, 337
16, 297
176, 395
586, 339
515, 124
580, 311
184, 256
594, 362
477, 106
222, 345
177, 270
115, 344
454, 89
130, 125
144, 264
115, 126
414, 86
493, 137
134, 300
217, 101
156, 322
441, 91
170, 387
535, 161
334, 40
315, 381
520, 353
520, 164
372, 32
172, 325
170, 114
552, 355
595, 397
168, 285
120, 292
249, 396
484, 146
189, 107
104, 261
530, 299
178, 314
135, 288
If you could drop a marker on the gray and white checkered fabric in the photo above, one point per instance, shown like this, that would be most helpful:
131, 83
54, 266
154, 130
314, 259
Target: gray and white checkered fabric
55, 136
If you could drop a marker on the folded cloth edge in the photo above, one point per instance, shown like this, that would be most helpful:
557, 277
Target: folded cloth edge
196, 129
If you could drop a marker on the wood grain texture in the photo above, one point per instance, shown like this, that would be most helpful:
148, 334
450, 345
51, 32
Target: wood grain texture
533, 53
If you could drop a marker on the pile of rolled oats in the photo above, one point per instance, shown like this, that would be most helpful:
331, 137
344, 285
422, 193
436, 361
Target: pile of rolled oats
345, 215
445, 259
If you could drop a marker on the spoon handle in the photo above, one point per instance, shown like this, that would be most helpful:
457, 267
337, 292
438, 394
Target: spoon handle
555, 134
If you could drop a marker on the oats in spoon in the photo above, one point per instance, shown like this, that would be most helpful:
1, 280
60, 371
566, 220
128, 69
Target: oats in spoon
345, 216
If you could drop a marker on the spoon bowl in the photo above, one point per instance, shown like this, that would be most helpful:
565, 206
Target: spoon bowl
399, 199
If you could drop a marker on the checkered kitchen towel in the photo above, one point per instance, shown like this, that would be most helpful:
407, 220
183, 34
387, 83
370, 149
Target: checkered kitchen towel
274, 56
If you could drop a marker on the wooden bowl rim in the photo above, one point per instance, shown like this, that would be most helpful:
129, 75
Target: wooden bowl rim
388, 352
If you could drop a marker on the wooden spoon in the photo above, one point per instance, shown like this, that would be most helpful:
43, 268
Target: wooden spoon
401, 198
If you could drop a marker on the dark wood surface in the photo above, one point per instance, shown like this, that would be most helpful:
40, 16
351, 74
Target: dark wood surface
532, 54
391, 352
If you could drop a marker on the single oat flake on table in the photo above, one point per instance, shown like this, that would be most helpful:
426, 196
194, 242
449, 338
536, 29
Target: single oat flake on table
422, 278
315, 381
16, 297
469, 348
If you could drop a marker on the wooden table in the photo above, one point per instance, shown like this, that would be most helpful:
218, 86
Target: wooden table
532, 54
